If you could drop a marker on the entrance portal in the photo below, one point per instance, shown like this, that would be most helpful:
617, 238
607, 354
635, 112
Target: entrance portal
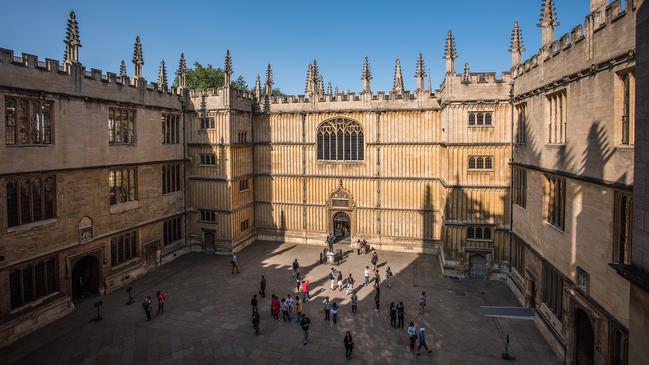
341, 226
85, 277
477, 267
585, 339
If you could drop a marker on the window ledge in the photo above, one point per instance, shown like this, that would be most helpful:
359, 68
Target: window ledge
29, 226
625, 147
480, 126
40, 145
34, 304
554, 145
206, 165
124, 207
122, 144
342, 162
480, 170
479, 240
171, 193
207, 222
132, 262
558, 229
244, 190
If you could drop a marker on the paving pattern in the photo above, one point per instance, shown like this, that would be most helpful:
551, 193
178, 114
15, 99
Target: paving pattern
207, 317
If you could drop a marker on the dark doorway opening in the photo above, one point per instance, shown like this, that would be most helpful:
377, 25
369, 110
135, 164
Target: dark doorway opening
477, 267
342, 226
85, 278
209, 241
585, 339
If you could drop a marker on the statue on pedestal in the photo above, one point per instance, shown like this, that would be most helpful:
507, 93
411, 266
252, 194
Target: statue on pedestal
330, 241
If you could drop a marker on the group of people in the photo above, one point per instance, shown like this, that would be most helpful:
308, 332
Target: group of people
147, 304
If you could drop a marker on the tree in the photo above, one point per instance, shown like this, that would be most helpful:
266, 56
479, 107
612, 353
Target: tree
202, 78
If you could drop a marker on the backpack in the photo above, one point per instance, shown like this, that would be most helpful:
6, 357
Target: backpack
331, 275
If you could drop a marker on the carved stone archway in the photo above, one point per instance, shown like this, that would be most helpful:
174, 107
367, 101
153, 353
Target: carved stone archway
341, 208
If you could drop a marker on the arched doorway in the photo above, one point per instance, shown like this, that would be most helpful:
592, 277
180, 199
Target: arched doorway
585, 339
341, 226
85, 278
477, 267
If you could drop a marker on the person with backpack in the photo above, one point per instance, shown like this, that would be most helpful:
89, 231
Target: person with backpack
393, 315
296, 266
349, 345
334, 312
377, 278
298, 308
326, 307
147, 306
350, 284
354, 302
305, 290
262, 287
412, 336
290, 304
366, 275
374, 260
422, 341
340, 280
401, 311
284, 308
422, 302
388, 277
332, 278
305, 323
255, 321
234, 263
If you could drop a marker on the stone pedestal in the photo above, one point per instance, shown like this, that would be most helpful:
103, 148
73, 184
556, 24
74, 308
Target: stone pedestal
331, 258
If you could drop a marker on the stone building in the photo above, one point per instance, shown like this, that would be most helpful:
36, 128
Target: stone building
525, 176
572, 178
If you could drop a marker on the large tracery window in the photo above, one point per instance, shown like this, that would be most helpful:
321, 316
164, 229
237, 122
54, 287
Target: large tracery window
340, 140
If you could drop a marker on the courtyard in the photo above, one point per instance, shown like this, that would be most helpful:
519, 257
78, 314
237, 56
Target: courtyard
207, 317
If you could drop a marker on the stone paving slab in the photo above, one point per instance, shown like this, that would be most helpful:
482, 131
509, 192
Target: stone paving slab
207, 317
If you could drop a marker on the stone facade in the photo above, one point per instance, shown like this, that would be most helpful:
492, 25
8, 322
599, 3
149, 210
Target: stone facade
573, 103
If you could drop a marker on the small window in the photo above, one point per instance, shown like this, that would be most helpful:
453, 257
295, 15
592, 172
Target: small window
472, 164
208, 159
207, 123
480, 119
555, 199
243, 137
487, 118
244, 225
33, 281
170, 178
622, 228
122, 185
519, 185
170, 128
30, 199
121, 126
487, 234
28, 121
243, 185
553, 290
123, 248
480, 163
172, 230
471, 118
470, 233
488, 164
208, 216
583, 280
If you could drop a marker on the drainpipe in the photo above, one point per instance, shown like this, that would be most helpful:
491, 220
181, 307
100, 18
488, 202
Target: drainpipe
511, 174
183, 109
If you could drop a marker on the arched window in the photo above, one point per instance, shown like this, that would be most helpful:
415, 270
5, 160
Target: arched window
472, 162
470, 233
488, 163
343, 141
480, 119
471, 118
487, 118
478, 233
480, 163
487, 233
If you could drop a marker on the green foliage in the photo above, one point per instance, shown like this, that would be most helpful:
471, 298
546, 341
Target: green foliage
202, 78
277, 92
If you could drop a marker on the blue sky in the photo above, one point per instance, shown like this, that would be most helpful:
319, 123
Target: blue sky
287, 34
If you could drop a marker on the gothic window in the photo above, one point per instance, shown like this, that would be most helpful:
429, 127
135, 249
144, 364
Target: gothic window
619, 345
487, 118
170, 178
471, 118
623, 217
123, 248
208, 216
207, 122
30, 199
340, 140
555, 198
208, 159
557, 112
472, 163
478, 233
32, 282
244, 225
170, 128
519, 193
626, 98
480, 163
172, 230
553, 290
518, 255
521, 132
123, 185
28, 121
243, 185
121, 126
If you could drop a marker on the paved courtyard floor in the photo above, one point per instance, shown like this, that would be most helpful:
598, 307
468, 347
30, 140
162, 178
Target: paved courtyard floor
207, 317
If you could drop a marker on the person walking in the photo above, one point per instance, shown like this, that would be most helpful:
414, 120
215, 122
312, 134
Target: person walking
401, 311
298, 308
350, 284
349, 345
388, 277
262, 287
377, 299
253, 303
377, 278
326, 307
340, 280
332, 277
393, 315
374, 260
334, 312
147, 306
290, 304
296, 267
235, 263
298, 281
284, 309
255, 321
366, 275
422, 302
412, 335
422, 341
305, 290
161, 296
304, 323
274, 307
354, 302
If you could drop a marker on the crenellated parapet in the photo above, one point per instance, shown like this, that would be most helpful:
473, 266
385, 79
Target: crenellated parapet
27, 73
607, 35
475, 86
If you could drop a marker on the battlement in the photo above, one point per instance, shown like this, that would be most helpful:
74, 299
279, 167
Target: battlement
218, 91
609, 30
21, 66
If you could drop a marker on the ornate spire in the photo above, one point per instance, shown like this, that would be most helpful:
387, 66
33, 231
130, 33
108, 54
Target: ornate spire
466, 75
162, 75
329, 87
258, 87
138, 59
182, 71
420, 72
516, 44
397, 82
72, 41
450, 54
308, 89
321, 89
122, 71
336, 90
316, 71
269, 88
227, 69
366, 76
547, 21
